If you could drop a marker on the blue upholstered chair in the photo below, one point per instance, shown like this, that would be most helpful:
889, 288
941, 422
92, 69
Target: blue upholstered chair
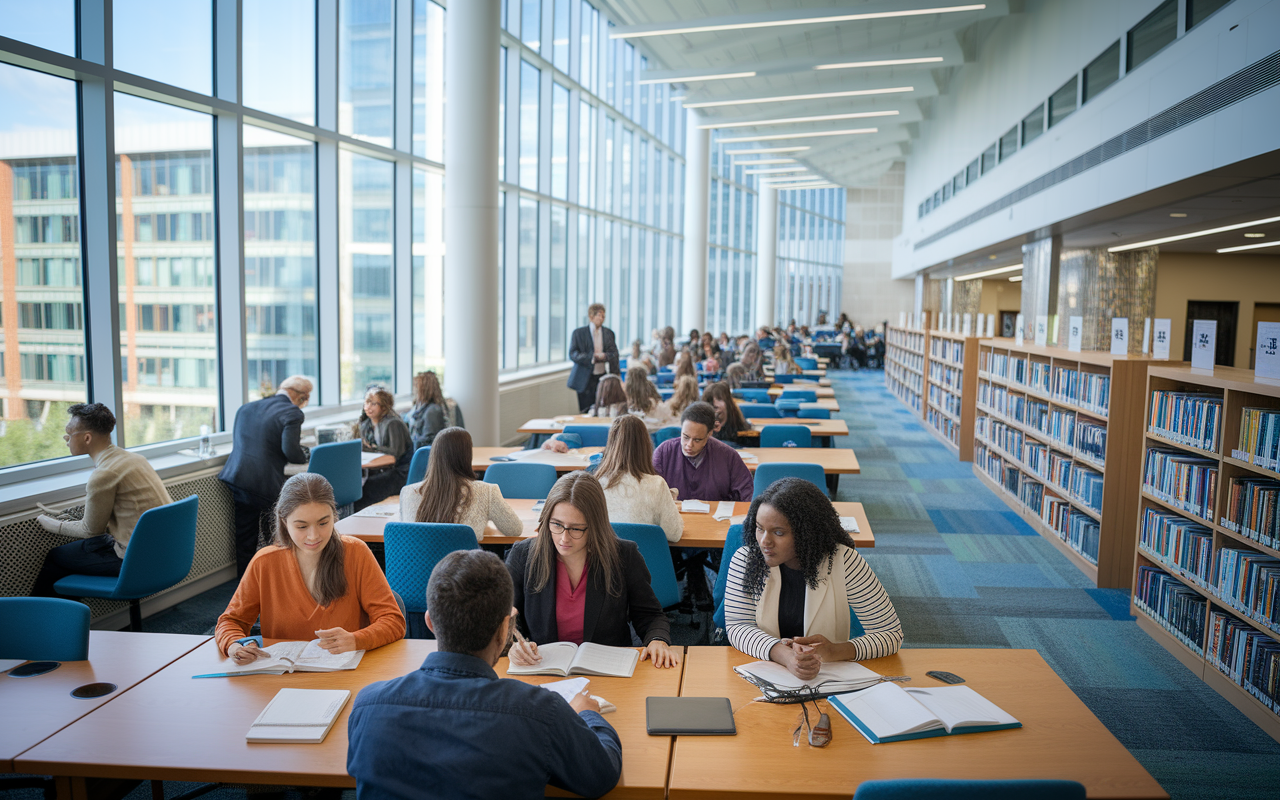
759, 411
663, 434
657, 557
814, 413
161, 549
785, 436
339, 463
766, 474
804, 362
412, 550
803, 395
665, 378
44, 629
952, 789
593, 435
520, 481
787, 408
418, 466
784, 378
754, 395
732, 541
666, 393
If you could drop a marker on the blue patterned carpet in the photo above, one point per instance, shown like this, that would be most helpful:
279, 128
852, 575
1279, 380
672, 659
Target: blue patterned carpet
964, 571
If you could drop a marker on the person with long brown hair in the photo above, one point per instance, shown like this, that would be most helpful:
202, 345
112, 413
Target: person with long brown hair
577, 563
667, 353
752, 362
642, 396
310, 582
734, 375
432, 412
729, 420
685, 366
382, 430
783, 363
611, 398
685, 393
451, 494
633, 489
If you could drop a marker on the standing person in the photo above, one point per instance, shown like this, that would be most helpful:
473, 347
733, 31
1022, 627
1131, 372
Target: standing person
381, 430
451, 494
594, 352
633, 491
452, 729
122, 486
432, 412
700, 466
265, 435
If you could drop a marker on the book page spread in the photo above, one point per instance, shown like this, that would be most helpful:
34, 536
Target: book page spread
557, 657
598, 659
960, 706
887, 710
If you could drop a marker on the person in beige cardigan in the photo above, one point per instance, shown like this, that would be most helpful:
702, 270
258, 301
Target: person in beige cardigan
633, 489
450, 493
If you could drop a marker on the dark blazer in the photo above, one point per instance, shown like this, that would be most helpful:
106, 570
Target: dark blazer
582, 352
266, 437
606, 617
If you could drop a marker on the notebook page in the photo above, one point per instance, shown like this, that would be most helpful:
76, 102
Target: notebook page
958, 706
844, 672
283, 656
555, 656
303, 707
567, 688
313, 655
724, 510
694, 507
888, 710
606, 660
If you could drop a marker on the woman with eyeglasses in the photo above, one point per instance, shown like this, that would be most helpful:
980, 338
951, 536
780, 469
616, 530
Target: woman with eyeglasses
576, 581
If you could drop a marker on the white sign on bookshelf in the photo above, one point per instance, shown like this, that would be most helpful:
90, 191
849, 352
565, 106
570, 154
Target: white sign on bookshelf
1267, 358
1119, 336
1204, 339
991, 325
1075, 333
1018, 326
968, 325
1042, 330
1146, 336
1161, 331
902, 319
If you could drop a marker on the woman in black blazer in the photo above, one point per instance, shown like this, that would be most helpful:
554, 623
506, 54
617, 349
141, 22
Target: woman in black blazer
576, 581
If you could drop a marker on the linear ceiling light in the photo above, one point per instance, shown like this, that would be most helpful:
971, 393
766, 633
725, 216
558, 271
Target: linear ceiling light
778, 183
1180, 237
762, 161
889, 62
782, 98
1015, 279
719, 77
772, 137
741, 26
1000, 271
794, 172
790, 120
1248, 247
792, 149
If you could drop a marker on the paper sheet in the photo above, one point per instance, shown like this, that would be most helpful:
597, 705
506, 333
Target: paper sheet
365, 458
694, 507
383, 511
724, 510
850, 524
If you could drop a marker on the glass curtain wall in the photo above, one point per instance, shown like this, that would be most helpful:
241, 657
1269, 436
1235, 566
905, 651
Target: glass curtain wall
731, 243
810, 255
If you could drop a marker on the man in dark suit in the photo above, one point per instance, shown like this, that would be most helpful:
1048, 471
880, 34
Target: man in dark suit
594, 352
266, 437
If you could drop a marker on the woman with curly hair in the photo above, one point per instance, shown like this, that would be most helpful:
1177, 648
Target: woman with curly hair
794, 584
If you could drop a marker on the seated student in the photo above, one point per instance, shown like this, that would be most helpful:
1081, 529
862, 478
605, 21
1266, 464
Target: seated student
752, 362
382, 430
311, 582
734, 375
667, 354
710, 357
451, 494
611, 398
577, 564
642, 396
783, 363
432, 412
121, 487
685, 392
634, 492
453, 729
700, 466
729, 420
685, 365
791, 586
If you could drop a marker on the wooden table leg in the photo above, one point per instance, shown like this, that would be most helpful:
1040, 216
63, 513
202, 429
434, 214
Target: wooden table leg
71, 788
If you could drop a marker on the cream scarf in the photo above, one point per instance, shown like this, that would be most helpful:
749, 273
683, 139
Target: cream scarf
826, 609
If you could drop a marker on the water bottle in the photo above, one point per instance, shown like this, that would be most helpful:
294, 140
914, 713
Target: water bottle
206, 448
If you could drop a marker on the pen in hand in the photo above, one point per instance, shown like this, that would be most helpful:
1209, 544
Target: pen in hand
527, 649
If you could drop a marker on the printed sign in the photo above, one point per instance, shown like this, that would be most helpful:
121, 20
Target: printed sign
1042, 330
1120, 336
1204, 340
968, 325
902, 319
1075, 333
1018, 330
1161, 333
991, 325
1267, 354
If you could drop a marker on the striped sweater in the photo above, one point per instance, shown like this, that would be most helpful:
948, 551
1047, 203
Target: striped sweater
882, 632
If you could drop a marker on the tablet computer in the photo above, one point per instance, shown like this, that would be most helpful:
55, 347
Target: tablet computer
689, 716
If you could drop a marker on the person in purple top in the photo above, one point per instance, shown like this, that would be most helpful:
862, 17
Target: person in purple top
699, 465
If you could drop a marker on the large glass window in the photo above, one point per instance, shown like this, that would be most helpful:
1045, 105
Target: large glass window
586, 155
527, 284
559, 281
50, 24
531, 24
428, 80
279, 50
366, 277
559, 141
1062, 102
43, 361
1009, 143
279, 257
428, 270
1199, 10
366, 69
1149, 37
1102, 72
530, 78
1033, 125
165, 41
165, 248
560, 42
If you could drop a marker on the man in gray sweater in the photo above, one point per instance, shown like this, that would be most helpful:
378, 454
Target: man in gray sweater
123, 485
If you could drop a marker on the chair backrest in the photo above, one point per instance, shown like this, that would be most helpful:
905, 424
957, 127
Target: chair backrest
418, 466
814, 413
785, 436
759, 411
787, 408
784, 378
732, 541
161, 549
804, 362
44, 629
666, 393
766, 474
803, 395
954, 789
520, 481
665, 378
339, 463
412, 551
663, 434
657, 557
755, 395
596, 435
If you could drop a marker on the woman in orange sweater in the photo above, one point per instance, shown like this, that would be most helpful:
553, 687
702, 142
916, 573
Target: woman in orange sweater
311, 583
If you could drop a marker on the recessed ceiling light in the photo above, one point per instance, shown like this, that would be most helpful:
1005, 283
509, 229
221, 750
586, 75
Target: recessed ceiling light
786, 97
996, 271
1254, 235
1015, 279
1249, 247
1178, 214
775, 136
790, 120
891, 62
739, 26
792, 149
1180, 237
689, 78
991, 258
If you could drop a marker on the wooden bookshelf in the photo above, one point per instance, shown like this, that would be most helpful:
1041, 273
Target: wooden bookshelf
1034, 408
951, 384
1237, 389
904, 366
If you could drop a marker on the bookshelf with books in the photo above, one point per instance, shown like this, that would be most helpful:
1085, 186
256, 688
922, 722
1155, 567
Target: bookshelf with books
1057, 435
904, 366
1207, 557
952, 383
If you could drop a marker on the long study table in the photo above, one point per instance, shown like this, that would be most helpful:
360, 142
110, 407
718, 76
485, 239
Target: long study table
821, 429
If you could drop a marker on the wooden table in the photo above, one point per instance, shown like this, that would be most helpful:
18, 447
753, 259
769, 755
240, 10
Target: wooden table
821, 428
1060, 737
36, 708
481, 458
829, 403
822, 392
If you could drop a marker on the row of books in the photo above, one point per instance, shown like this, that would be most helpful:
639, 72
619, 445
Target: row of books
1091, 441
1037, 416
949, 377
947, 401
1189, 418
1246, 656
1251, 510
903, 393
1007, 438
913, 361
1031, 493
1038, 377
944, 425
1036, 457
995, 363
1059, 469
1173, 604
1259, 437
1249, 582
1089, 390
1179, 541
1184, 481
1061, 427
998, 398
911, 340
1083, 536
948, 349
911, 379
1086, 486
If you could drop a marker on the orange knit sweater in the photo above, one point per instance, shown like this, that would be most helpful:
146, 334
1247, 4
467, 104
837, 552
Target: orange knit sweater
273, 587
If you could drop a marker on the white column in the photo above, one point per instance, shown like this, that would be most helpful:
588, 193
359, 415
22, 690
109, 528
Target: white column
766, 254
697, 188
471, 214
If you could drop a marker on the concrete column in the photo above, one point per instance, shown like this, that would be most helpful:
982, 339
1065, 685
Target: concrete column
1040, 284
766, 255
471, 214
697, 189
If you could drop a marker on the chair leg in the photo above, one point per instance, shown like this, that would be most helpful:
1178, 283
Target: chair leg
135, 616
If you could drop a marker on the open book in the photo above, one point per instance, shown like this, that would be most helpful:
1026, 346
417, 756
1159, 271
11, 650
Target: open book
834, 677
571, 686
298, 716
889, 713
293, 657
567, 658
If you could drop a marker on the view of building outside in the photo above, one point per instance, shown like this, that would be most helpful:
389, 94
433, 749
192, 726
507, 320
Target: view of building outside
810, 254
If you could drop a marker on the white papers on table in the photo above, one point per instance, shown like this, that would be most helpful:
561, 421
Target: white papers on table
737, 519
850, 524
383, 511
573, 686
724, 510
570, 459
365, 458
695, 507
834, 676
298, 716
749, 458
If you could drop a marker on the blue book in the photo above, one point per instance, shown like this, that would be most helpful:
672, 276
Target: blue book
887, 712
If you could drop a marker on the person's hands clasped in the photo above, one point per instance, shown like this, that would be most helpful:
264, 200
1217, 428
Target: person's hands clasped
820, 645
661, 654
336, 640
800, 660
243, 654
583, 701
